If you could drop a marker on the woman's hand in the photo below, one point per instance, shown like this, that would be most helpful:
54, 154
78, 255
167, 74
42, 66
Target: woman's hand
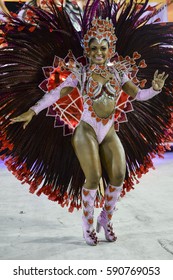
159, 80
25, 117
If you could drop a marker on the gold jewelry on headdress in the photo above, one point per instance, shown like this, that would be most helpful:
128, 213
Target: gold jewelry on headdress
102, 29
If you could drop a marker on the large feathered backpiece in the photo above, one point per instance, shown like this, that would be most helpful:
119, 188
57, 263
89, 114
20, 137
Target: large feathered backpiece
41, 155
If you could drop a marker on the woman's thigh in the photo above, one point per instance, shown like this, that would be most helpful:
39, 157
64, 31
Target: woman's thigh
113, 157
86, 147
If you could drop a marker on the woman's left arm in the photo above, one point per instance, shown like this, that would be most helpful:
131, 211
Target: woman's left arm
144, 94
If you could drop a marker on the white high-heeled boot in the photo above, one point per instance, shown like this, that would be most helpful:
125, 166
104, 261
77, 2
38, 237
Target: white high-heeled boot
112, 194
88, 199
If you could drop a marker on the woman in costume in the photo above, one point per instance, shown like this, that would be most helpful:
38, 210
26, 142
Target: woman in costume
95, 141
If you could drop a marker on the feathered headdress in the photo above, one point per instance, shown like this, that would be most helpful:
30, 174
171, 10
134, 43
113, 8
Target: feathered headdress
102, 29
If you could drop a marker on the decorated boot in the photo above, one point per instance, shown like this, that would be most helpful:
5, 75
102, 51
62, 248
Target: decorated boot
112, 194
88, 199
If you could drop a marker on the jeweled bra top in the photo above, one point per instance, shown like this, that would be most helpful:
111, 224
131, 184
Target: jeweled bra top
94, 91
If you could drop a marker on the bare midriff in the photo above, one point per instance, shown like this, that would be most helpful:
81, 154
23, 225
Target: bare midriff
104, 109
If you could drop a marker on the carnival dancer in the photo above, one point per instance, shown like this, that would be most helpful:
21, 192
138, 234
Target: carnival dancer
94, 140
100, 82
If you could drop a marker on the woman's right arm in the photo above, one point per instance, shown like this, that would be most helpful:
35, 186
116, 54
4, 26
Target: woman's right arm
47, 100
50, 98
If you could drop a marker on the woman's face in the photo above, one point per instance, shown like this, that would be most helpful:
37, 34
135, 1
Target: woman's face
98, 52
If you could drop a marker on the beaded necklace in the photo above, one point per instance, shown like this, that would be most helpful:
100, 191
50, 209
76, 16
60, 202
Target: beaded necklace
101, 70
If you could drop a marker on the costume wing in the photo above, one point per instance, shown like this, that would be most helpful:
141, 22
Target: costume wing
144, 135
39, 155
